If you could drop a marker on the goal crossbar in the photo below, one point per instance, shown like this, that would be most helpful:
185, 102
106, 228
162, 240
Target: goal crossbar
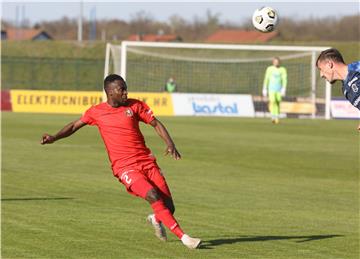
221, 46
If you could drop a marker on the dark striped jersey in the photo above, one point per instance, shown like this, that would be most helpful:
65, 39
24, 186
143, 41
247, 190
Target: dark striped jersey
351, 84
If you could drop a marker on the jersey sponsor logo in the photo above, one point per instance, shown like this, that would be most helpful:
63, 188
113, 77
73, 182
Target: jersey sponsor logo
357, 101
352, 81
354, 88
129, 112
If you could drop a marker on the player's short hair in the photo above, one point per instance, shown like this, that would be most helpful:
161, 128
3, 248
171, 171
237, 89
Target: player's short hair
112, 78
277, 58
330, 54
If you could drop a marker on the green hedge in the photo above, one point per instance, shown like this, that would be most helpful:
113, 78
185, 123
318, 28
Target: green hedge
52, 73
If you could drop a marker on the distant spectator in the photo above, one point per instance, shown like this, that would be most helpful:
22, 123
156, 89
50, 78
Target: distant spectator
170, 85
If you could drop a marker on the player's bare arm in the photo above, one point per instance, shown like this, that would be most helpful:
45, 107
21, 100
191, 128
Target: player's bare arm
164, 134
67, 131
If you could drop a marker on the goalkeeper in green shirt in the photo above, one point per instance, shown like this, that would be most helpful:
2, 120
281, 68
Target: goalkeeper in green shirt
274, 86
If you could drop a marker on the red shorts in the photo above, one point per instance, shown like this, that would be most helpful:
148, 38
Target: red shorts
152, 176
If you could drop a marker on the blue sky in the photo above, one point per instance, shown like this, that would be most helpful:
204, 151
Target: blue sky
232, 11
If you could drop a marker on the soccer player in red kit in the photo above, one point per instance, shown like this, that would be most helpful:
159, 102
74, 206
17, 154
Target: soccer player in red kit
131, 161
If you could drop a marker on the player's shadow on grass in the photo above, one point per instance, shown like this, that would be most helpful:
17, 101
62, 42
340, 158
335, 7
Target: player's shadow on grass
37, 199
209, 244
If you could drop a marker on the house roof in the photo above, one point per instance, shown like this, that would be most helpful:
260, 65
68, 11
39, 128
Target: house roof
24, 34
153, 37
240, 36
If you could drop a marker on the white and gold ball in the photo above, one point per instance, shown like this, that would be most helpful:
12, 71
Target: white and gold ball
265, 19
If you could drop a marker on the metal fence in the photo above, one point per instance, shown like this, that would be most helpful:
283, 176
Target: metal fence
51, 73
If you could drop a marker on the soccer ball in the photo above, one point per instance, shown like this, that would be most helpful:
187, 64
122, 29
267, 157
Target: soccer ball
265, 19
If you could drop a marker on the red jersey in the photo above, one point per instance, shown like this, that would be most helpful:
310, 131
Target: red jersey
119, 129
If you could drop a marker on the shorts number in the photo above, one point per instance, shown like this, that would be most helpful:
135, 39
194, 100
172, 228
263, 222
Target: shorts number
125, 177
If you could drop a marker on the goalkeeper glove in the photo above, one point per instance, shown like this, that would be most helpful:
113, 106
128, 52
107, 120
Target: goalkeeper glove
264, 92
283, 91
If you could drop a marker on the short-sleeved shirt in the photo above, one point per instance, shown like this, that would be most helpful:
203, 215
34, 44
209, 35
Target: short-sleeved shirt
351, 84
119, 129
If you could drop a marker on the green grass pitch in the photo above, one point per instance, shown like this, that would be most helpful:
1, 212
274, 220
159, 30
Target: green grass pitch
248, 188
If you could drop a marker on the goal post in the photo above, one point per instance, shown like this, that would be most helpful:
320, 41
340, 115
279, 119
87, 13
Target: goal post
217, 68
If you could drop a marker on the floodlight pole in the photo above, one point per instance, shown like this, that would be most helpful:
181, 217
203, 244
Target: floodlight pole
80, 22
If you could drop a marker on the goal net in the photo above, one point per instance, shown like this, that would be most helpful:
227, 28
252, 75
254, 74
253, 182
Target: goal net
219, 68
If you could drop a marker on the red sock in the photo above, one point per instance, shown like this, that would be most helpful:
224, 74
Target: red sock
164, 215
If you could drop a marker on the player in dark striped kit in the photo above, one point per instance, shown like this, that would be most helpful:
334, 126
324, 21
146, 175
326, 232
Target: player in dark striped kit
333, 68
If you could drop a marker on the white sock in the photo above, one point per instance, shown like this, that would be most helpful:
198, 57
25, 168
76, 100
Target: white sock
185, 238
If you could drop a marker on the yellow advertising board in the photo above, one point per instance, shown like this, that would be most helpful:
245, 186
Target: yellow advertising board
160, 103
76, 102
297, 107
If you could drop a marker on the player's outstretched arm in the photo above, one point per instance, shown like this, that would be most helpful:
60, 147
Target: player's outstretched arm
68, 130
164, 134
